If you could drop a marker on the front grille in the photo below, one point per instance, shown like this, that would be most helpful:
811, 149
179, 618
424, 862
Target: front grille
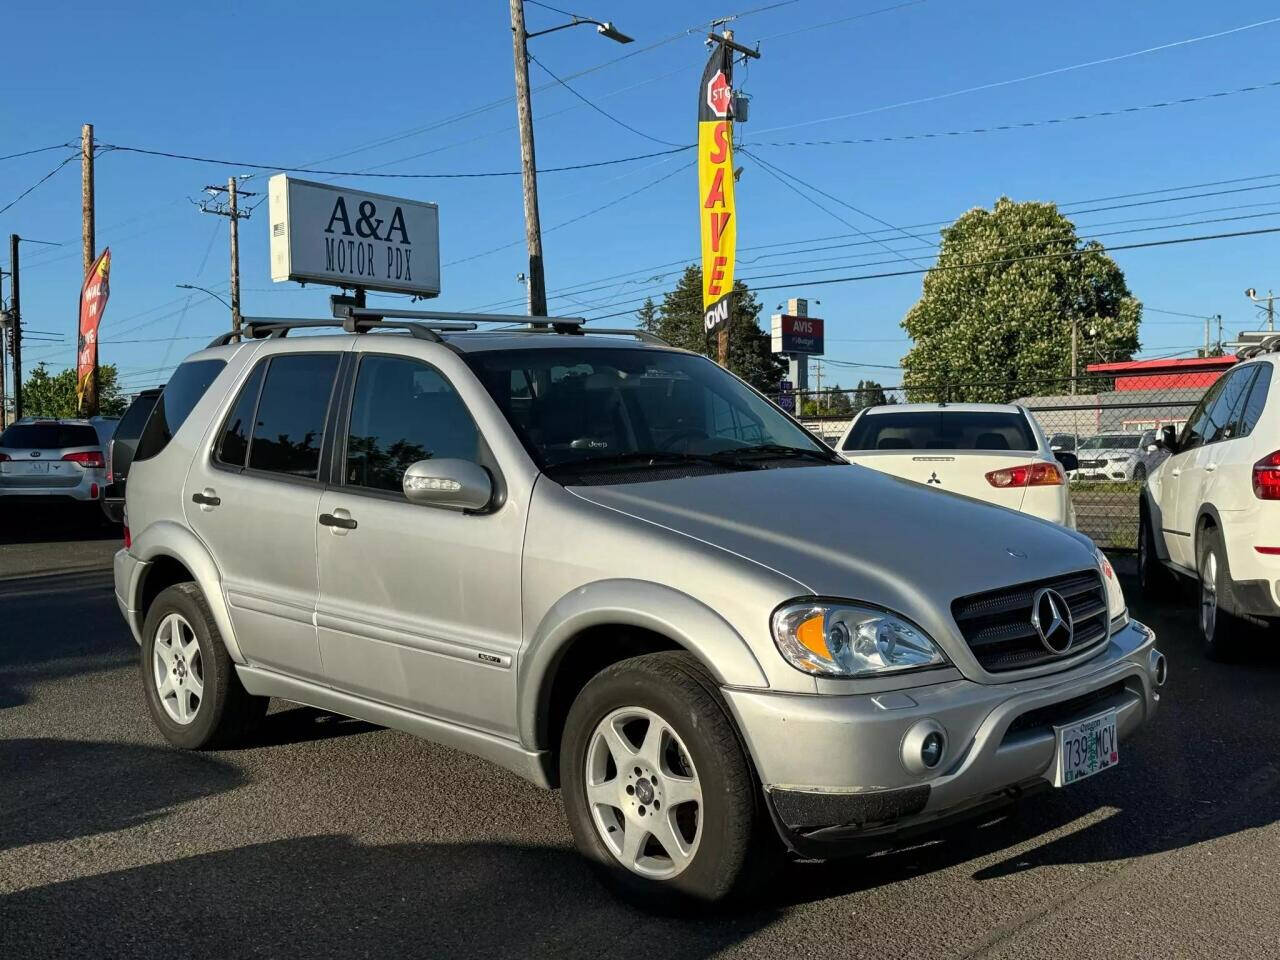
1057, 714
997, 624
1092, 464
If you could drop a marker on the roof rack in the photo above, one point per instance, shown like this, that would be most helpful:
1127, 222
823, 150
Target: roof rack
422, 324
1253, 343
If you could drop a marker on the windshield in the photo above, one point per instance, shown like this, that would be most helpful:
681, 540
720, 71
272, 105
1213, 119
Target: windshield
1112, 441
575, 405
941, 430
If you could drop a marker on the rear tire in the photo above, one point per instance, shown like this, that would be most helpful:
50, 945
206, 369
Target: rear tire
193, 693
1219, 630
610, 735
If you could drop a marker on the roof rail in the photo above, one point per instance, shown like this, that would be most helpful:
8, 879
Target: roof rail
257, 328
1254, 343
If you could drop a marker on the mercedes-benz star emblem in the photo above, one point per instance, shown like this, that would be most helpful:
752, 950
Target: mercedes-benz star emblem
1051, 616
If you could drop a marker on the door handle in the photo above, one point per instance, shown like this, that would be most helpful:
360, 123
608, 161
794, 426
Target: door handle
1176, 472
206, 498
343, 523
1210, 467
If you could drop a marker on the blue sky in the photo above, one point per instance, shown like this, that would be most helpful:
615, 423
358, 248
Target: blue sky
419, 87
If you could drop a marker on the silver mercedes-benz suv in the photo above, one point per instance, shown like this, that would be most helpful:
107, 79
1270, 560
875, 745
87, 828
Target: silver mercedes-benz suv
613, 567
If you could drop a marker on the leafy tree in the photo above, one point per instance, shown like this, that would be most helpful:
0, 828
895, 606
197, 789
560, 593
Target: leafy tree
750, 356
647, 316
54, 395
869, 394
1005, 321
831, 402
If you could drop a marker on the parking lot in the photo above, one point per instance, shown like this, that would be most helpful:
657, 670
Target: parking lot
330, 837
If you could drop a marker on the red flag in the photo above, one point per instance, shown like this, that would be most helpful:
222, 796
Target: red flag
93, 301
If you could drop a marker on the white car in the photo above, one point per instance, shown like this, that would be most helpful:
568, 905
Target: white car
988, 451
1211, 511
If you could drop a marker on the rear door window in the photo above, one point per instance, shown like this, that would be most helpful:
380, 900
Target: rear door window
288, 430
1222, 411
179, 397
48, 436
1251, 413
942, 430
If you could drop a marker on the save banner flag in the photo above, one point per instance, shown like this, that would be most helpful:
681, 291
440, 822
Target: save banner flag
716, 211
93, 301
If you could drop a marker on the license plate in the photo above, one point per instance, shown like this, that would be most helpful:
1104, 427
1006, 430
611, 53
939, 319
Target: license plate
27, 469
1085, 748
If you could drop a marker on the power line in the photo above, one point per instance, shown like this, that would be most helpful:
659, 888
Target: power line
1176, 313
27, 153
38, 182
401, 176
1022, 125
604, 113
840, 20
1032, 76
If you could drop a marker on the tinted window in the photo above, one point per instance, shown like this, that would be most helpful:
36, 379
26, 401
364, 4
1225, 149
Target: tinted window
179, 397
1251, 412
941, 430
1193, 433
403, 411
233, 440
1062, 441
135, 418
569, 404
48, 436
1217, 424
1112, 441
290, 422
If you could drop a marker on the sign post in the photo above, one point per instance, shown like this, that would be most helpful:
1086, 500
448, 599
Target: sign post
797, 336
321, 233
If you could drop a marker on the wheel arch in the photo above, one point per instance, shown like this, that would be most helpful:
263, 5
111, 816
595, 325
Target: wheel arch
1207, 516
174, 554
604, 622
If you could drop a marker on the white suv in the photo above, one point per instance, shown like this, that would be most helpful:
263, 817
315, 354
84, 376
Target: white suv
1212, 510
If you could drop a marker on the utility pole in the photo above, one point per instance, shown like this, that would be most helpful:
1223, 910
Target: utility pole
1075, 353
536, 284
4, 324
230, 209
86, 198
1270, 300
1206, 336
1219, 333
15, 324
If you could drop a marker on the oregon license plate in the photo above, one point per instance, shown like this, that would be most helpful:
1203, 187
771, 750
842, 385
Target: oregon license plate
1085, 748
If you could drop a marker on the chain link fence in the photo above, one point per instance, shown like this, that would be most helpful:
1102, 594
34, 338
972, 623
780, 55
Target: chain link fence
1108, 420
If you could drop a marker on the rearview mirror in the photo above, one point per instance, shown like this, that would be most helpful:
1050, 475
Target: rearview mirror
1070, 462
451, 484
1168, 438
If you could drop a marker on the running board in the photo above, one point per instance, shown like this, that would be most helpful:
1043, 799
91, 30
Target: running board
534, 766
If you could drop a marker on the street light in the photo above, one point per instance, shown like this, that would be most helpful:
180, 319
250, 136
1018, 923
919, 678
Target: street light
1269, 300
192, 286
537, 287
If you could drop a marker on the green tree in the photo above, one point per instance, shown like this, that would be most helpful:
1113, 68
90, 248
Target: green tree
46, 394
977, 328
647, 317
750, 357
869, 394
833, 401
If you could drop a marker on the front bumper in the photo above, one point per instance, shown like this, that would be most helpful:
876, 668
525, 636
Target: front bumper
834, 768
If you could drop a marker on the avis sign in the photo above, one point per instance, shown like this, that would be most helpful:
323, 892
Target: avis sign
797, 335
321, 233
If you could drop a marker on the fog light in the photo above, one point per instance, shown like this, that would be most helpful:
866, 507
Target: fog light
931, 749
924, 746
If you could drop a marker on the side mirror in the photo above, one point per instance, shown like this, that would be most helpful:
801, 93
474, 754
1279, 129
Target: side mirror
1168, 438
1070, 462
451, 484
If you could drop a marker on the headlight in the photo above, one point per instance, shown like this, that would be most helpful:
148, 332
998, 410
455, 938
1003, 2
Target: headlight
844, 640
1115, 595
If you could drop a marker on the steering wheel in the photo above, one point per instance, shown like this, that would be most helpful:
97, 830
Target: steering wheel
683, 435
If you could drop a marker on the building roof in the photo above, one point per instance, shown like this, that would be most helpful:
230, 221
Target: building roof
1164, 365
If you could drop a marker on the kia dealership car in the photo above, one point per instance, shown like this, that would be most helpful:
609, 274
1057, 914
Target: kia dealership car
49, 460
992, 452
613, 567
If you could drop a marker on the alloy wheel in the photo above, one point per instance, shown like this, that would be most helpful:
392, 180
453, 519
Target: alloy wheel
1209, 595
643, 793
178, 669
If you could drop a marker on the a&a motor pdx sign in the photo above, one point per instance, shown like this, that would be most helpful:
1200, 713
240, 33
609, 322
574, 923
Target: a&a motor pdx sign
715, 188
321, 233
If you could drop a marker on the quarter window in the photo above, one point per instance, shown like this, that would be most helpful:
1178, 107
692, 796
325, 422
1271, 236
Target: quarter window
1193, 434
289, 427
1251, 412
1221, 412
183, 391
403, 411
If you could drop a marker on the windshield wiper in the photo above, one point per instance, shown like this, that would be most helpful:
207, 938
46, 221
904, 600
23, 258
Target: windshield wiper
773, 451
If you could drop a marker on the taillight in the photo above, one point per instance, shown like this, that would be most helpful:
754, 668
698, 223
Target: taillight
1266, 477
1027, 475
4, 457
128, 540
87, 459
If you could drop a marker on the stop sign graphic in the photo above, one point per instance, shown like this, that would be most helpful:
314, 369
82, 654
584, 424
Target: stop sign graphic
718, 93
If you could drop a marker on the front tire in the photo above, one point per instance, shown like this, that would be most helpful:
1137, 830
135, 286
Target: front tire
660, 795
1155, 581
194, 696
1218, 629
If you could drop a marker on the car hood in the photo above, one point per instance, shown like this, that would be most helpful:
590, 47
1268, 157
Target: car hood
1107, 453
855, 533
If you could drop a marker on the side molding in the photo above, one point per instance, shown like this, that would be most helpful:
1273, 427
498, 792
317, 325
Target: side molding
632, 603
167, 539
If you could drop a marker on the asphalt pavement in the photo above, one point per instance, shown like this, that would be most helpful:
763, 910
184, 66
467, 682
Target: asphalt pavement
328, 837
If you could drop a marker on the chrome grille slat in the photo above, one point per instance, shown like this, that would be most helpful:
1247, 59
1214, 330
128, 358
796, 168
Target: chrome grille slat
997, 624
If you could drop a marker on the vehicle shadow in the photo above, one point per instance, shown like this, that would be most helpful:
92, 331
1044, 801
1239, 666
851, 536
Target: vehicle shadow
329, 896
54, 523
54, 790
301, 724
